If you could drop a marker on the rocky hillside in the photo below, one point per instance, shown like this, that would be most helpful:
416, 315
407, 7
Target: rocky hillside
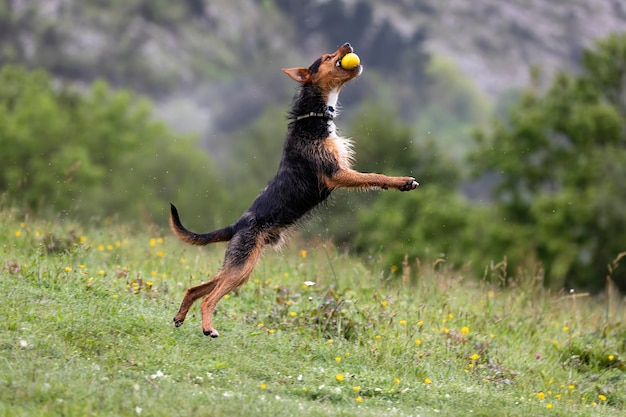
494, 42
213, 65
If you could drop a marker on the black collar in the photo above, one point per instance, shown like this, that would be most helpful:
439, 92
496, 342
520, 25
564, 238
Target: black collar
328, 114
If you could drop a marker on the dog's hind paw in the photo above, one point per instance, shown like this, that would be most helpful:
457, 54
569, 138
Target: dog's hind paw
211, 332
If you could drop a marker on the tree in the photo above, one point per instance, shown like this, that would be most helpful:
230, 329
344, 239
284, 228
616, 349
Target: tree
559, 158
96, 153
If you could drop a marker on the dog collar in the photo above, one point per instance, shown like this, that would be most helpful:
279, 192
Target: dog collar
328, 114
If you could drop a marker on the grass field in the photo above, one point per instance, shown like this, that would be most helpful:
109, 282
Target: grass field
86, 330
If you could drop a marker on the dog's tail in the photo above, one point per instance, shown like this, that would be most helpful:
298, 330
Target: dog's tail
220, 235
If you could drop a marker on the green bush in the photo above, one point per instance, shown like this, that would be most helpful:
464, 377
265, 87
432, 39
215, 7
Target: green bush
559, 158
93, 154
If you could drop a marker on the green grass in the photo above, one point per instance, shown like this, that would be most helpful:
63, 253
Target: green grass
86, 330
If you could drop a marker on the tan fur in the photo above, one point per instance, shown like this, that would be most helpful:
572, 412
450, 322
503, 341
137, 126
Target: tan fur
341, 149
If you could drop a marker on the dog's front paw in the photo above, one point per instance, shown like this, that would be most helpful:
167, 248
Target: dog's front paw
409, 184
178, 322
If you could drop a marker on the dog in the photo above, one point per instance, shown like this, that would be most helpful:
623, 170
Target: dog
315, 161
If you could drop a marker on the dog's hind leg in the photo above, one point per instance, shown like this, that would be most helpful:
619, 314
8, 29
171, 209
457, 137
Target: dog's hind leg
191, 295
242, 255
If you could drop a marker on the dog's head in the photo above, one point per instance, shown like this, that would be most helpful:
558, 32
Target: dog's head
327, 72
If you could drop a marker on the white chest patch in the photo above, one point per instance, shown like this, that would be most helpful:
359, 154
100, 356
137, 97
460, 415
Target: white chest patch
333, 97
342, 146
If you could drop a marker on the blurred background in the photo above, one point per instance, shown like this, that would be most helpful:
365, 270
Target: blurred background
511, 115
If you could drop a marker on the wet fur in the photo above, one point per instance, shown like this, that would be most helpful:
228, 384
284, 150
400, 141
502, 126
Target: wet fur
315, 161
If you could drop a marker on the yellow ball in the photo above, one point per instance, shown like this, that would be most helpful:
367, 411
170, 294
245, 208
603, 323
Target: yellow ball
350, 61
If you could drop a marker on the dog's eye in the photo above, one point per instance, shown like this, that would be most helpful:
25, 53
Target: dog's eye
328, 58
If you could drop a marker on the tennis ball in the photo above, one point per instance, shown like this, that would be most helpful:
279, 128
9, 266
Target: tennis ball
350, 61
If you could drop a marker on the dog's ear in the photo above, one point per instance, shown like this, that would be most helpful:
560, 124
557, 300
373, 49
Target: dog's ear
301, 75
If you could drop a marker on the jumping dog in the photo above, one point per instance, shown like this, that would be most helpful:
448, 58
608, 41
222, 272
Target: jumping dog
315, 161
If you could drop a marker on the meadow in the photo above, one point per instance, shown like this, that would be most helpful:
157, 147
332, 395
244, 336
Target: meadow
86, 331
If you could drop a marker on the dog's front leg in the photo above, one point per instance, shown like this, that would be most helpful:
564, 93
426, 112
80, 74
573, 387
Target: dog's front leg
349, 178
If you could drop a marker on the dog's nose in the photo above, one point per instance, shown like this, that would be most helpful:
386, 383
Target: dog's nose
348, 46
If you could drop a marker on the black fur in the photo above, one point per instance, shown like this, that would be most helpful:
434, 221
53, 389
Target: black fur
309, 99
296, 189
200, 239
315, 66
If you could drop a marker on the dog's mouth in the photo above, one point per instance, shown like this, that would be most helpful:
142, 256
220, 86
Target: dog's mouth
339, 64
347, 61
